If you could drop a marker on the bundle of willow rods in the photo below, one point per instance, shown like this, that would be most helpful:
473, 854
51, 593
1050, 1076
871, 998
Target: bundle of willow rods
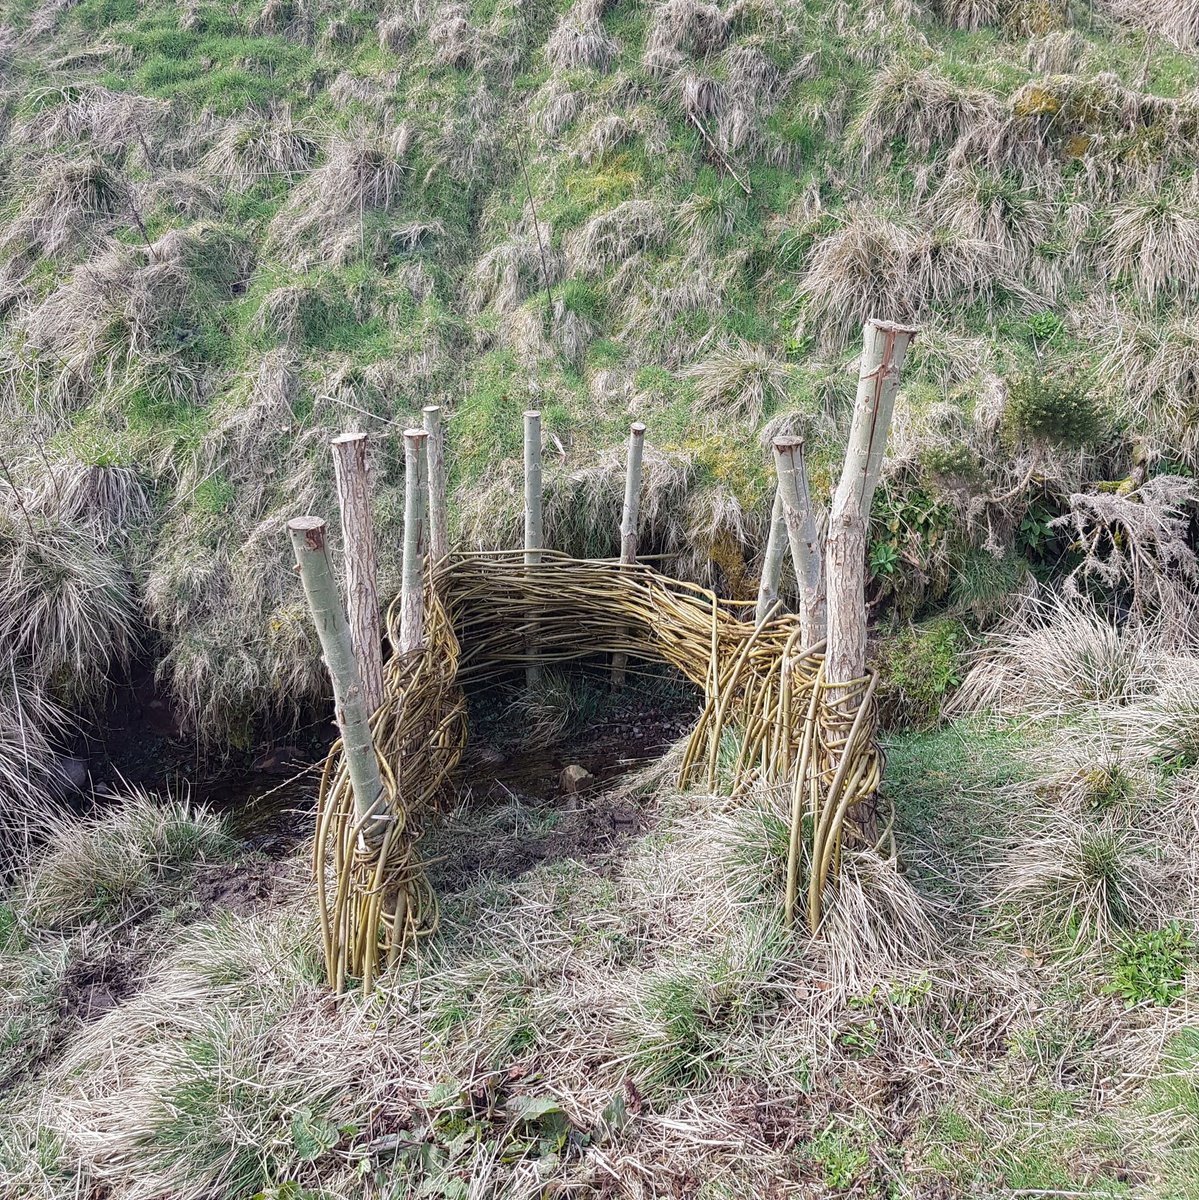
483, 612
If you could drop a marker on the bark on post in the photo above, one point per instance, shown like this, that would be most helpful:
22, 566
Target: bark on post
416, 539
353, 717
358, 538
803, 535
534, 530
439, 521
884, 347
772, 564
629, 516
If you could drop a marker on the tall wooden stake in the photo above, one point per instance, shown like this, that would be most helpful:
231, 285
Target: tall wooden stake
358, 538
353, 717
629, 516
416, 539
803, 536
534, 530
883, 350
772, 564
439, 521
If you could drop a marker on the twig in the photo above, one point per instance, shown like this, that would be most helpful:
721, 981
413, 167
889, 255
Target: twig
720, 154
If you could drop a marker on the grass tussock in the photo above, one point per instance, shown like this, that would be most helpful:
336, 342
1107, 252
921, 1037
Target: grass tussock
326, 216
138, 854
68, 607
1054, 658
873, 265
580, 41
246, 154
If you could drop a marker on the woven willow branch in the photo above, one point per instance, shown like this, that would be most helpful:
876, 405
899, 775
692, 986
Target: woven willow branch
757, 679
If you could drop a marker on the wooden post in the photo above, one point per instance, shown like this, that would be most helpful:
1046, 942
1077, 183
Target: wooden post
353, 716
629, 516
884, 346
803, 536
772, 564
416, 537
358, 538
534, 530
439, 521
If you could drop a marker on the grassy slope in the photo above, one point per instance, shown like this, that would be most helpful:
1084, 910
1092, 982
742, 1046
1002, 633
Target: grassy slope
232, 231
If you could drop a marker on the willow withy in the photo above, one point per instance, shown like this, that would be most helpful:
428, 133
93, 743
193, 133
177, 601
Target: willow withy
794, 730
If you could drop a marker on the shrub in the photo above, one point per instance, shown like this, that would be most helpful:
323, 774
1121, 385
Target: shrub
1057, 408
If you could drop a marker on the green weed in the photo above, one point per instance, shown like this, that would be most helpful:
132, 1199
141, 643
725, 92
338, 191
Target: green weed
1150, 966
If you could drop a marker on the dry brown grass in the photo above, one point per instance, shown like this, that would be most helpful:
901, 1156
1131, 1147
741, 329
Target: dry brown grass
1149, 366
1177, 20
68, 606
611, 238
1054, 658
112, 122
71, 204
247, 152
580, 40
739, 381
875, 265
1152, 242
925, 111
325, 218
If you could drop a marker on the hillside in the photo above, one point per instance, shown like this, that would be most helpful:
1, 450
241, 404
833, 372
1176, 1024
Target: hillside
230, 232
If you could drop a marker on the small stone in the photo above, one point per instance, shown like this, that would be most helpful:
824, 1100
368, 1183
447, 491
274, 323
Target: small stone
572, 778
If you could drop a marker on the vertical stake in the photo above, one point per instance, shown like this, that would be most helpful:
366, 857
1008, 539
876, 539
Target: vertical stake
772, 564
439, 521
534, 530
803, 535
358, 538
353, 718
416, 536
629, 515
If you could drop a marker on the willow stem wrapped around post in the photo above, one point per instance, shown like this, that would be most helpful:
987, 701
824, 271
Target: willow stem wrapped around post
439, 520
772, 564
358, 543
802, 535
629, 516
534, 531
353, 717
412, 594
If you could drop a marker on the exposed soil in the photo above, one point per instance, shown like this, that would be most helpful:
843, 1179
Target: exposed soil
535, 809
94, 986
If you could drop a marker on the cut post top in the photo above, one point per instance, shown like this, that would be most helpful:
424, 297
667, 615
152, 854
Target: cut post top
791, 442
303, 524
416, 434
344, 438
313, 529
431, 408
637, 429
892, 326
